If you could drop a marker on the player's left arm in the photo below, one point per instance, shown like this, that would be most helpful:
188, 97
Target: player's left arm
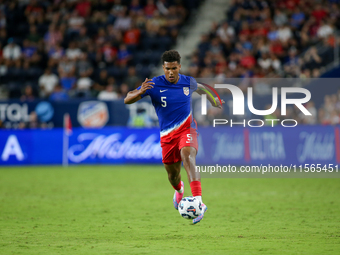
201, 89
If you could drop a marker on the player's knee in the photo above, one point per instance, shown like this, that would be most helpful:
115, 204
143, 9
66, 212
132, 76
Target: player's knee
185, 158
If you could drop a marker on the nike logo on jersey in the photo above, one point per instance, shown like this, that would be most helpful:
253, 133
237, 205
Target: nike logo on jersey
163, 90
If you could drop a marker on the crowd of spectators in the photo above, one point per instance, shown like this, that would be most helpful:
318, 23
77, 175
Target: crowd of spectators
62, 49
101, 49
265, 38
329, 113
271, 39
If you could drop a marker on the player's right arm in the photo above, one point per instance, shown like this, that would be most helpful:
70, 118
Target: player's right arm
135, 95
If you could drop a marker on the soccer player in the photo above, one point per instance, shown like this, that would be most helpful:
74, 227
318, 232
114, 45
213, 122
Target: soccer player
171, 96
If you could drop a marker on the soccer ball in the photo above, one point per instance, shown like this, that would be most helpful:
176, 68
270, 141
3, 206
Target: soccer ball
189, 208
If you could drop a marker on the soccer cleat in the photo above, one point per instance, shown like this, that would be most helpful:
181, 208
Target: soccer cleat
200, 217
178, 197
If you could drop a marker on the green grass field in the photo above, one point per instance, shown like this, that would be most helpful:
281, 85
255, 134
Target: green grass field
128, 210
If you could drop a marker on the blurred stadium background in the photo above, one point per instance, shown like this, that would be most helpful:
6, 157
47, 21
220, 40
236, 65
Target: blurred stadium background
80, 58
65, 67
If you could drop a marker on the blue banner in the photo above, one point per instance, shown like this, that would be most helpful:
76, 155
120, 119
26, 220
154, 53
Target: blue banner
237, 146
278, 145
85, 146
31, 147
115, 146
90, 113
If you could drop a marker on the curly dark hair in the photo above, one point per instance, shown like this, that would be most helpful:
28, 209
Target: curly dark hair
171, 56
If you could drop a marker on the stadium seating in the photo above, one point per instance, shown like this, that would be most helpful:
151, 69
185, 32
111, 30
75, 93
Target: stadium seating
273, 39
43, 32
286, 30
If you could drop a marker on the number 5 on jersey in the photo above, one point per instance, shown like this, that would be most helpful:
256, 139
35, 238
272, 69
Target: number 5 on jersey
163, 101
189, 140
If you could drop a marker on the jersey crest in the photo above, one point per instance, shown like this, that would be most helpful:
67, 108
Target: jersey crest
186, 91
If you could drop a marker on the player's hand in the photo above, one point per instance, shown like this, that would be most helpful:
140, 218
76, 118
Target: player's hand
218, 104
147, 84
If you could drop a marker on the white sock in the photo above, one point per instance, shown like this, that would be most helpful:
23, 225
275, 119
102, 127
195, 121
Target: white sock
199, 198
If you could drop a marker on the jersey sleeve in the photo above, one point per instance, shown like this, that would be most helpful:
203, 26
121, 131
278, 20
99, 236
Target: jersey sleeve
193, 84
